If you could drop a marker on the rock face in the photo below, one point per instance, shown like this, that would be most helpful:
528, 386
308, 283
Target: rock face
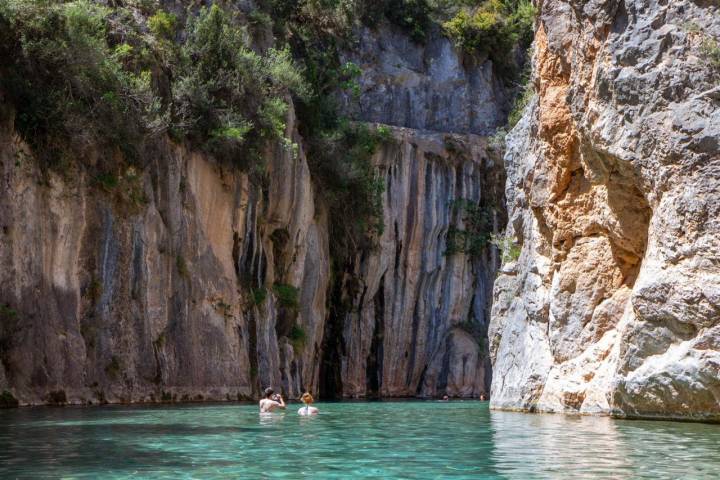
613, 191
145, 291
175, 280
418, 317
425, 87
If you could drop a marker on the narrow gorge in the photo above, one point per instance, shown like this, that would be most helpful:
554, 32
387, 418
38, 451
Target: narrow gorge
571, 264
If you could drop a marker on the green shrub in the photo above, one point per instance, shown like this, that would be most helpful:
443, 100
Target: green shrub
258, 295
710, 49
521, 101
181, 266
8, 400
7, 312
297, 338
508, 246
228, 98
163, 25
341, 159
107, 181
287, 295
69, 87
475, 234
494, 27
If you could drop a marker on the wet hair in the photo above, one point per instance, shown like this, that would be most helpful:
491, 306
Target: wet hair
307, 398
268, 392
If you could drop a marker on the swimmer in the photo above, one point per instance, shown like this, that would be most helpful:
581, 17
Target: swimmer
445, 398
271, 402
307, 410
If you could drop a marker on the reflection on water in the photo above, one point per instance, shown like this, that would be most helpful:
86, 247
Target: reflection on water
559, 446
414, 440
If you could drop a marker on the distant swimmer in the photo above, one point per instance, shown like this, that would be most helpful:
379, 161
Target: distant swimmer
307, 410
445, 398
271, 402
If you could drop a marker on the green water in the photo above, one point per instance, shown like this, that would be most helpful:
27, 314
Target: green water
461, 440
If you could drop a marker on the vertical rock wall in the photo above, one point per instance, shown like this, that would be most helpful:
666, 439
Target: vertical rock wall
159, 287
417, 316
613, 190
173, 280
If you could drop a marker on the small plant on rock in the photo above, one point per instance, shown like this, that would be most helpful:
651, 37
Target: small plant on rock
508, 246
287, 295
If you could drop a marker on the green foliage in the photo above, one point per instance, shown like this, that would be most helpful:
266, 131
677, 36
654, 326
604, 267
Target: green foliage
287, 295
475, 234
75, 85
710, 49
258, 295
228, 98
7, 312
341, 161
521, 101
508, 246
8, 400
181, 266
163, 25
297, 337
412, 15
113, 368
494, 27
70, 87
107, 181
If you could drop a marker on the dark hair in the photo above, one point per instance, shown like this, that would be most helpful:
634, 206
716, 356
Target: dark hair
269, 391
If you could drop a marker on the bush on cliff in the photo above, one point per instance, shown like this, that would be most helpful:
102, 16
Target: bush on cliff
229, 98
69, 86
494, 27
80, 74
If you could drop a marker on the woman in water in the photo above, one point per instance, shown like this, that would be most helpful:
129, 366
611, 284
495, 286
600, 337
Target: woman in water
307, 399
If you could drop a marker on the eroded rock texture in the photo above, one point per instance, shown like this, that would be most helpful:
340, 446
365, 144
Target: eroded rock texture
174, 281
614, 192
416, 318
428, 86
144, 291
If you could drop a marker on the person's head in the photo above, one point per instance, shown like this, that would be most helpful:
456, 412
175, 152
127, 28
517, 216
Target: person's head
269, 392
307, 398
445, 397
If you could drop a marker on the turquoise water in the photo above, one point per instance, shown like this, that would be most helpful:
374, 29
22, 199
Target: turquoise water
460, 440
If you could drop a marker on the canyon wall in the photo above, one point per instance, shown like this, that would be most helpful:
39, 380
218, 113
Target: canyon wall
174, 280
613, 192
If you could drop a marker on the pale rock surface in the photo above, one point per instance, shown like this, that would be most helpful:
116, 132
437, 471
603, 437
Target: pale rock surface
613, 191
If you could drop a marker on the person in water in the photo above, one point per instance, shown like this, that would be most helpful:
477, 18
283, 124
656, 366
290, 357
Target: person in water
271, 402
307, 399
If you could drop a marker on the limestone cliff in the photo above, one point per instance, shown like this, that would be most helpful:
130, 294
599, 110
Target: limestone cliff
613, 191
172, 281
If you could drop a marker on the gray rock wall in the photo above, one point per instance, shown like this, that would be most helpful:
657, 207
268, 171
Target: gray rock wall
613, 191
418, 318
430, 86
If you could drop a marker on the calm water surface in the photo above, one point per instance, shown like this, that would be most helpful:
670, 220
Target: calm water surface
460, 440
